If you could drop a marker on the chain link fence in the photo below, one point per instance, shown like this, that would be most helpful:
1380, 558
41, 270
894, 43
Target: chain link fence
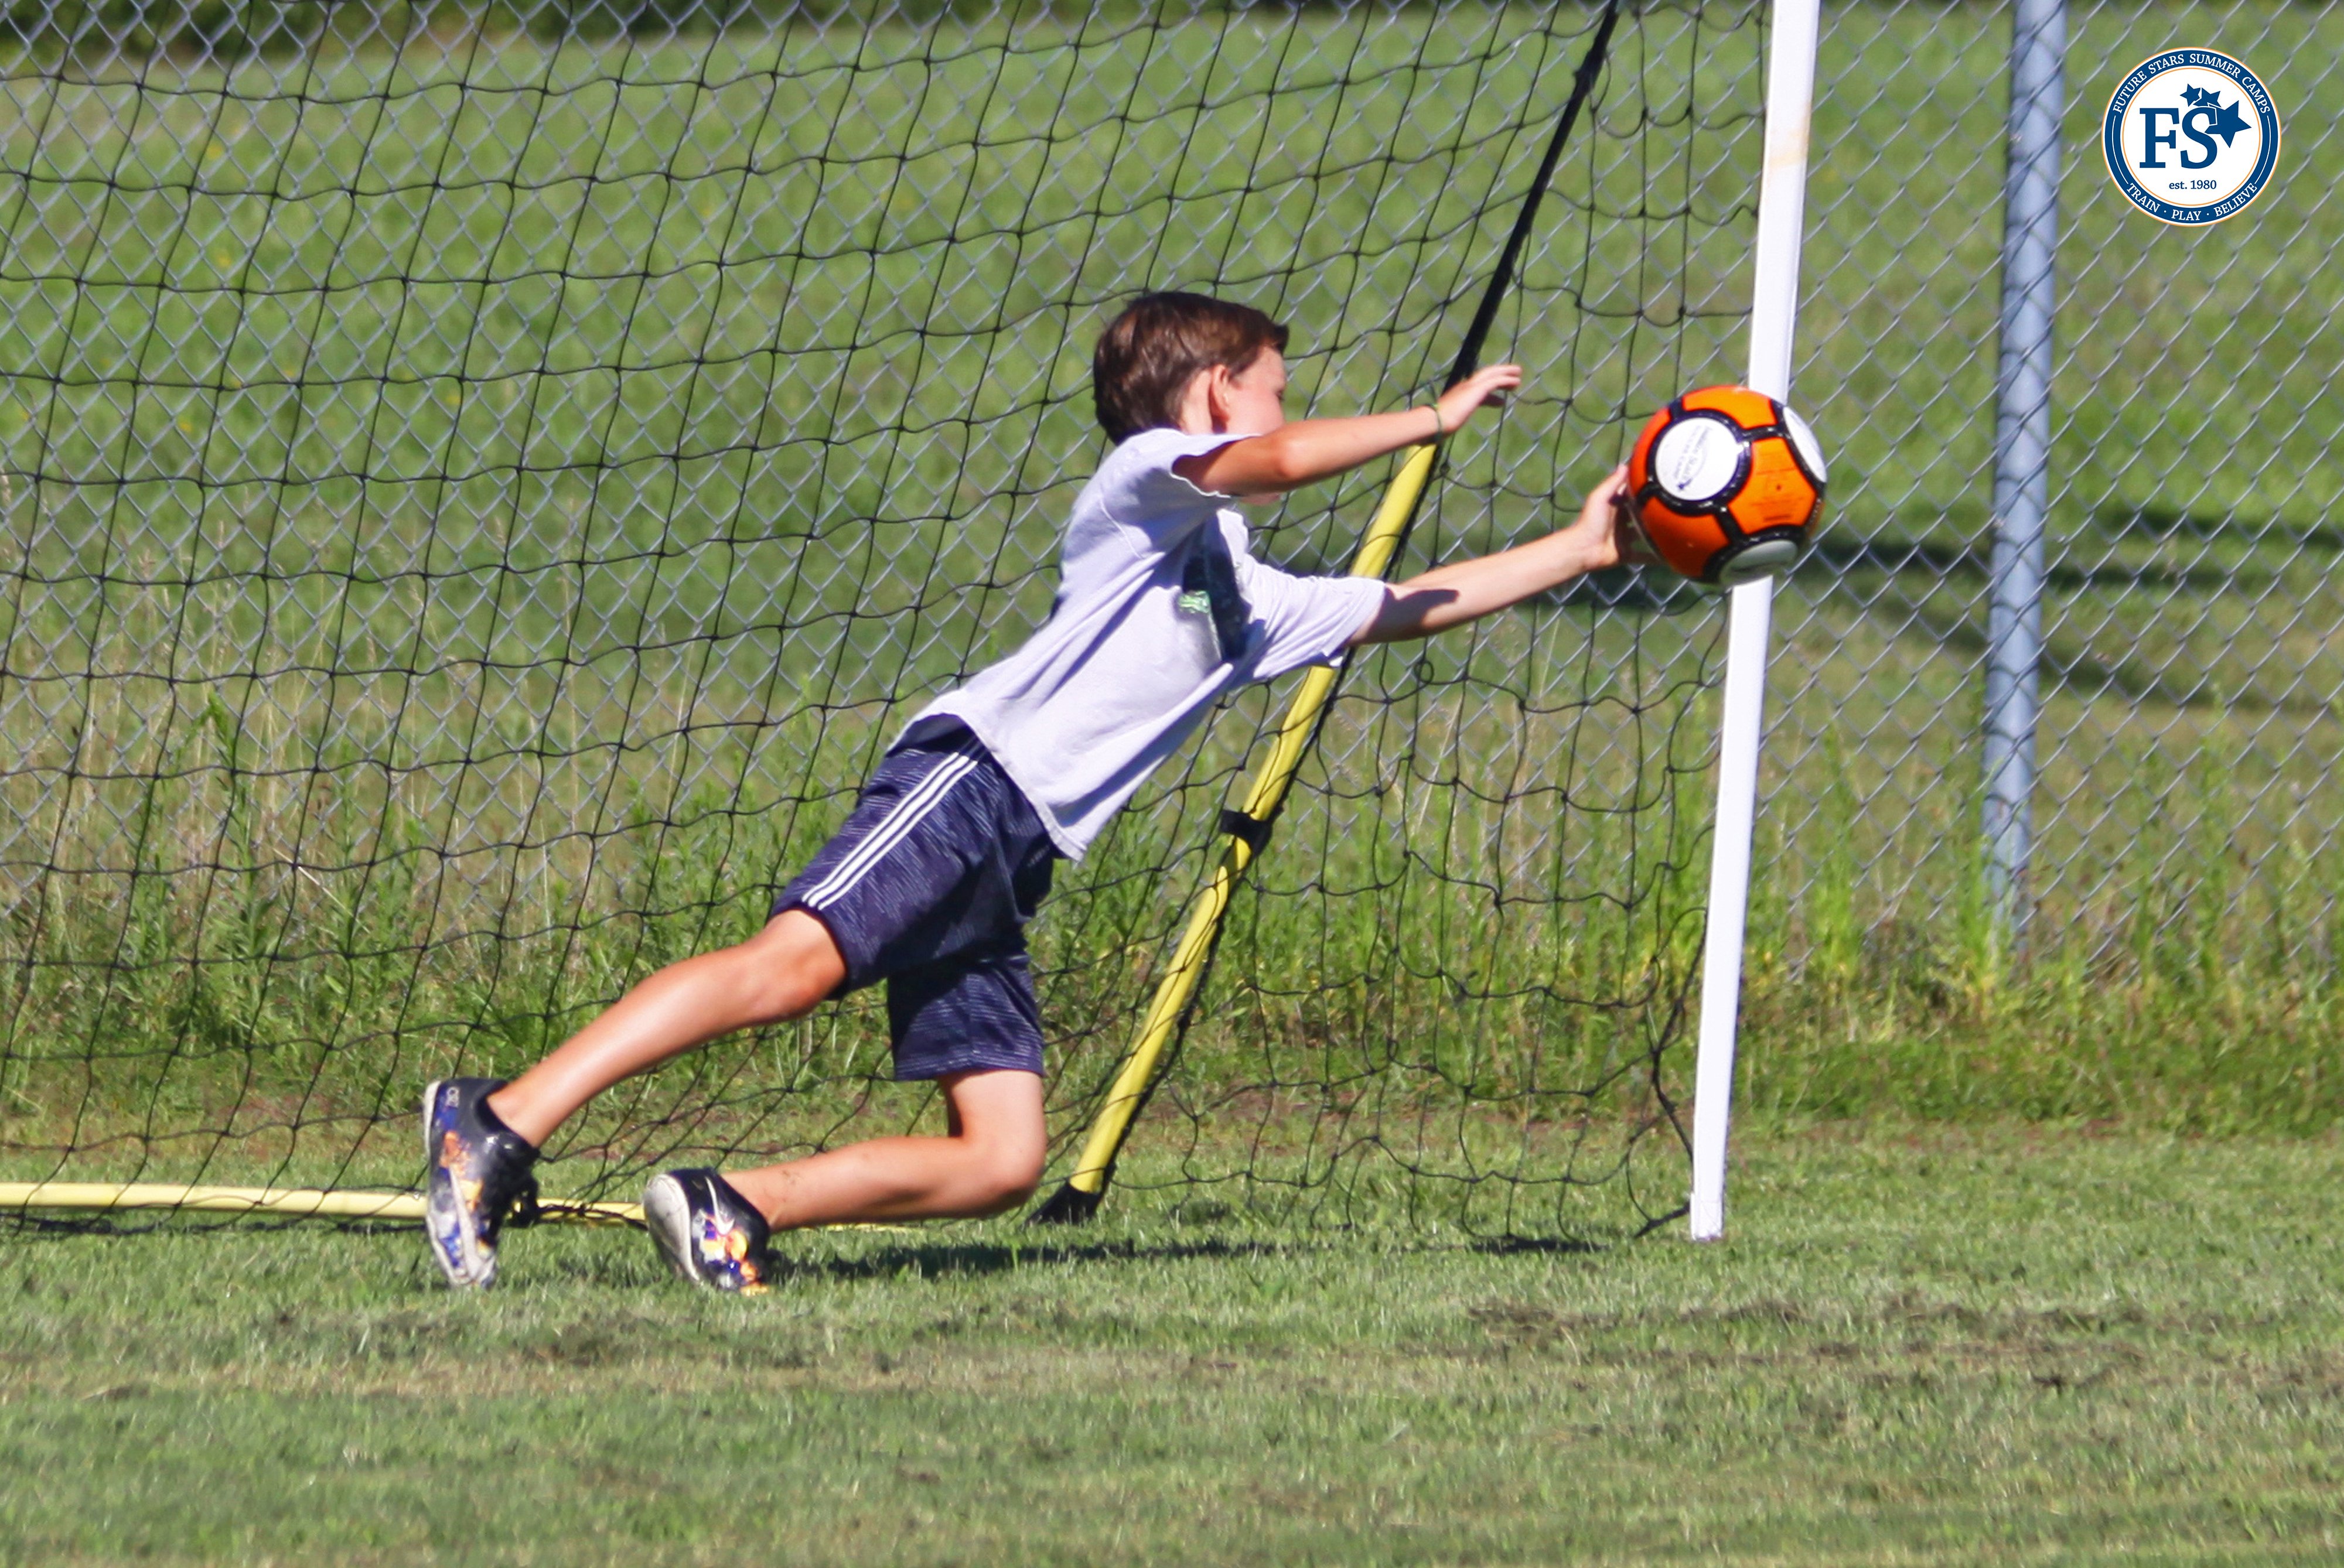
2190, 672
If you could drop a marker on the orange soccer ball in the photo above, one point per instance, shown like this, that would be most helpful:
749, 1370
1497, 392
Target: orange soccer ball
1726, 483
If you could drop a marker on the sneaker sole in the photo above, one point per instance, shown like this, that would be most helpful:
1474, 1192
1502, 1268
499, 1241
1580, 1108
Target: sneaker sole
667, 1214
471, 1270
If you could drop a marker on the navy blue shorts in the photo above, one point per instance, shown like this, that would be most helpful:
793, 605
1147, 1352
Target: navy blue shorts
928, 886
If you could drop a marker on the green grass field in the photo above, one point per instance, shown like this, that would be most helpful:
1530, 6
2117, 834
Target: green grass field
1919, 1346
473, 504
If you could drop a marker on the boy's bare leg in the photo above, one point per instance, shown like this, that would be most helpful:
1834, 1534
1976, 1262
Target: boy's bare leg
781, 972
988, 1161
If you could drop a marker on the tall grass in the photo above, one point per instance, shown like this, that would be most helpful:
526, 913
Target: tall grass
2189, 995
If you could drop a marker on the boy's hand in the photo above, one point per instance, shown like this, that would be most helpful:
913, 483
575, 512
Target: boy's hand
1487, 386
1606, 533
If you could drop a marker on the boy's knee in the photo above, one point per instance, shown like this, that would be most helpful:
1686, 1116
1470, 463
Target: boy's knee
1018, 1184
1003, 1140
788, 967
1004, 1179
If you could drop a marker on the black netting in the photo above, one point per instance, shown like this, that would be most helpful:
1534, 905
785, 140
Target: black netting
482, 489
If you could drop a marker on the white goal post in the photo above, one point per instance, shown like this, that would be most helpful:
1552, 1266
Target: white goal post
1774, 309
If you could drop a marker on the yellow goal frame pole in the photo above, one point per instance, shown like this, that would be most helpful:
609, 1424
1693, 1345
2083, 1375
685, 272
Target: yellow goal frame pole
1248, 830
293, 1203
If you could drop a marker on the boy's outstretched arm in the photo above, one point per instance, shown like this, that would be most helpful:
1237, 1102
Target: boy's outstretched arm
1466, 590
1287, 456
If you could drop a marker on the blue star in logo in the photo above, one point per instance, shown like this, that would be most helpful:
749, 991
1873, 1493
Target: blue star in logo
2228, 121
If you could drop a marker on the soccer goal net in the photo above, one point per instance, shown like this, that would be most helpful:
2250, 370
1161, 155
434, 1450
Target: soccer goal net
482, 487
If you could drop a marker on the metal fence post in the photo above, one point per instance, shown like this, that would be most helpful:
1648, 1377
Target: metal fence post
2022, 446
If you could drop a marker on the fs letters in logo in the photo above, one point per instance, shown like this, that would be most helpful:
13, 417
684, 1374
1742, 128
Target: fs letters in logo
2191, 137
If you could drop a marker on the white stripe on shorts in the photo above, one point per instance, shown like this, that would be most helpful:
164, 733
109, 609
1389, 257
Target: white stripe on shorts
905, 815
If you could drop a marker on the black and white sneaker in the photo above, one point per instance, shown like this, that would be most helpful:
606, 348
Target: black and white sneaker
476, 1176
708, 1232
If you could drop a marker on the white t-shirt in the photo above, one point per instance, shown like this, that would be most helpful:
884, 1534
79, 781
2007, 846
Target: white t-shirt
1161, 611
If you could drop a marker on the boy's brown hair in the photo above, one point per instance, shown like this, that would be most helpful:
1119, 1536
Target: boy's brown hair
1147, 356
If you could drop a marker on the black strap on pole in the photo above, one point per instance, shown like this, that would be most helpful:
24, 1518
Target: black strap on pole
1501, 278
